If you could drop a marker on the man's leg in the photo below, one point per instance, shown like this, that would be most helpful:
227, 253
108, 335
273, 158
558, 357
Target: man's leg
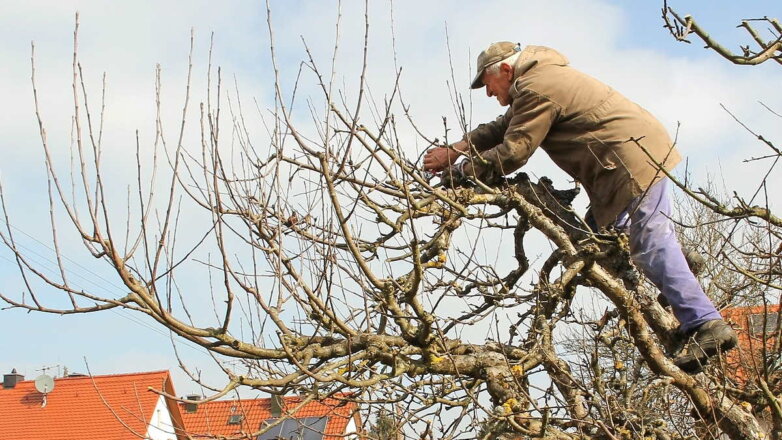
656, 251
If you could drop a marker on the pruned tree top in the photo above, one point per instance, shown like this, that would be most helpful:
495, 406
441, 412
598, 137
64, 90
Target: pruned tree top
333, 264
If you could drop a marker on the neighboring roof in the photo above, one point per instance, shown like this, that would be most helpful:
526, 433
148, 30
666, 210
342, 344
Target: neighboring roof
742, 316
757, 328
212, 418
113, 407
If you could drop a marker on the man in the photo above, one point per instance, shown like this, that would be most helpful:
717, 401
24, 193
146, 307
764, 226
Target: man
593, 133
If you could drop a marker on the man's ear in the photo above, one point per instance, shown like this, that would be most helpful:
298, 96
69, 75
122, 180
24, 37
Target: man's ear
506, 69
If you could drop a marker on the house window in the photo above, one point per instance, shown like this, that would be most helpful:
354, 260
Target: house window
758, 320
308, 428
235, 419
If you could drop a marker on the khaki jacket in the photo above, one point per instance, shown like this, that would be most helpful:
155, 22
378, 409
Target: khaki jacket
585, 126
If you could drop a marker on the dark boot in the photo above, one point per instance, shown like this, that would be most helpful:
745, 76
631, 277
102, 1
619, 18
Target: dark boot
709, 339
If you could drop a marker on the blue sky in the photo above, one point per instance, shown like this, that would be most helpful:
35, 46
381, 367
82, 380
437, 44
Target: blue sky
622, 43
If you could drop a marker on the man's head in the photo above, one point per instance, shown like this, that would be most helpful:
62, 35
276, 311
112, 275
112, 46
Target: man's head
495, 70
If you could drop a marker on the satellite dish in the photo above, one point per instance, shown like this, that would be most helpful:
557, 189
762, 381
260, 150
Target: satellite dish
44, 384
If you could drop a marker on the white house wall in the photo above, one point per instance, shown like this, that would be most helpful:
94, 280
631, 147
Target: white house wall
160, 426
350, 430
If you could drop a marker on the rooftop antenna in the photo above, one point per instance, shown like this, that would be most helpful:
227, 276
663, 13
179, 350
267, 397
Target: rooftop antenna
44, 370
44, 384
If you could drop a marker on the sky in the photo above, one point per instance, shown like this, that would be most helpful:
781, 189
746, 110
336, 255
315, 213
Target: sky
622, 43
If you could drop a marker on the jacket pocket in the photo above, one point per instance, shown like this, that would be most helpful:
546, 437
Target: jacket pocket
602, 154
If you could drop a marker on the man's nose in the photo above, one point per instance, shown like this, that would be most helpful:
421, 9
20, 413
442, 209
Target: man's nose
488, 92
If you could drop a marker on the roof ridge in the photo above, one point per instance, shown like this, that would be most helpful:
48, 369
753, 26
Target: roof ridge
340, 397
105, 376
251, 399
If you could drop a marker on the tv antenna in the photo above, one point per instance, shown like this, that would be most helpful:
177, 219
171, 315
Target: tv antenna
44, 384
44, 370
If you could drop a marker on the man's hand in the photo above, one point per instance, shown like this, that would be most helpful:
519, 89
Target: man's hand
439, 158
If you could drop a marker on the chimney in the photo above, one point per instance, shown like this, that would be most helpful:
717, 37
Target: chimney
10, 380
192, 407
276, 406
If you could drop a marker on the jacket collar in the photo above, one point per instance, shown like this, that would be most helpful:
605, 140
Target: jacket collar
532, 57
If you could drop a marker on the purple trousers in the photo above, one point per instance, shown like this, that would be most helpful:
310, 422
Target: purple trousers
658, 254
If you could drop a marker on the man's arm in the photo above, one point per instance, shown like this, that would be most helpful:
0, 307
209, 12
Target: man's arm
482, 137
490, 134
532, 117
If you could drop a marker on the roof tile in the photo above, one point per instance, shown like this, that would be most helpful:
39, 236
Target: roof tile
211, 418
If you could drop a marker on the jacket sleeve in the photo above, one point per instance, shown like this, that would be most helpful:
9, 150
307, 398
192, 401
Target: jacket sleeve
529, 119
488, 135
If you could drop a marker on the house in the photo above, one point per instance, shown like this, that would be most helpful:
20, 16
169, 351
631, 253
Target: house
757, 356
758, 351
78, 407
334, 418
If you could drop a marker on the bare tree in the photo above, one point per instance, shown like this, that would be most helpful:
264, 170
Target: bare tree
337, 268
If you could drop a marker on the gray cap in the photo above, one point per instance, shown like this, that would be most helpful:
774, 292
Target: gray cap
494, 53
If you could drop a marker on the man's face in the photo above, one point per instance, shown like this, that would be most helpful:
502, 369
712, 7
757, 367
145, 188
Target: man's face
498, 84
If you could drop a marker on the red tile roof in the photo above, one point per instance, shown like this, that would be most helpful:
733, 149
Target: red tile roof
211, 418
113, 407
746, 361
